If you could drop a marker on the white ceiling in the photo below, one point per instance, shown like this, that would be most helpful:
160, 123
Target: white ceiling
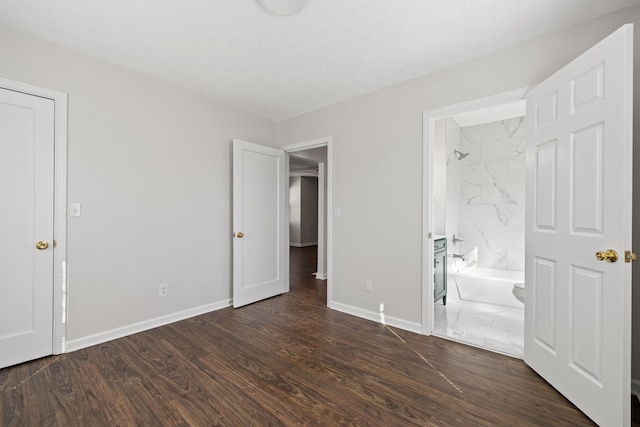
300, 166
280, 67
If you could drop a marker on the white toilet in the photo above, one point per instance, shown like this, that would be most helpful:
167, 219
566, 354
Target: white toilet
518, 291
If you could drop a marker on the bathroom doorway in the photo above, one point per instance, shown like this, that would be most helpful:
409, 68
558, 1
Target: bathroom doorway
477, 179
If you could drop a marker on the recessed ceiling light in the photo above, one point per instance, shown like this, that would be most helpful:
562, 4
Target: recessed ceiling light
281, 7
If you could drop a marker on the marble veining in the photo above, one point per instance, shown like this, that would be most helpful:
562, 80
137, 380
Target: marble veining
494, 327
485, 191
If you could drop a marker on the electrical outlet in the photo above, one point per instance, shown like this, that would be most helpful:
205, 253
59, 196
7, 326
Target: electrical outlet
163, 290
368, 285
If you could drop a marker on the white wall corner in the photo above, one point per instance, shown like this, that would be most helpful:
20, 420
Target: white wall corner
102, 337
635, 388
377, 317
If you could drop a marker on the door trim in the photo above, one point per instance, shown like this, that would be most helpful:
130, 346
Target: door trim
428, 137
307, 145
60, 298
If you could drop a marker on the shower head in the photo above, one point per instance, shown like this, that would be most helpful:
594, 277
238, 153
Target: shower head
460, 154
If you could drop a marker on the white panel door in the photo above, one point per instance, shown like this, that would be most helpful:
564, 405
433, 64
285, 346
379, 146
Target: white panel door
259, 223
579, 174
26, 218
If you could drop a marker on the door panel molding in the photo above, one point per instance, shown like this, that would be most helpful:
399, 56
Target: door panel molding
260, 250
588, 308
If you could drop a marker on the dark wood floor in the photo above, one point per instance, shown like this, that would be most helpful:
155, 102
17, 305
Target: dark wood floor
285, 361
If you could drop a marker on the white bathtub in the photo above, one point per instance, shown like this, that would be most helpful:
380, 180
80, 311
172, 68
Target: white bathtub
492, 286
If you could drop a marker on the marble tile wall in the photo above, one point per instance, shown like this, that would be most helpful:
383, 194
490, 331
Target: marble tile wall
488, 188
453, 182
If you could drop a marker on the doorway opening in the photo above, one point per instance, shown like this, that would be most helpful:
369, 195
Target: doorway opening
482, 218
309, 223
475, 158
578, 202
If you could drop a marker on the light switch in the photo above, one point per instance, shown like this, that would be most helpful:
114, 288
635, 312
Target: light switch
336, 212
74, 210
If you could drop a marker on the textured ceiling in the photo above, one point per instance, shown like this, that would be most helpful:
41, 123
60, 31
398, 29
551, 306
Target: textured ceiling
280, 67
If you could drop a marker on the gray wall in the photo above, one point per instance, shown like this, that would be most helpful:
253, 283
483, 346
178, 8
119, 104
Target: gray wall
377, 168
303, 211
151, 165
309, 211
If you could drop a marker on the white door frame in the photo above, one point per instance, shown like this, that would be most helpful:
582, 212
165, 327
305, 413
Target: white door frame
307, 145
60, 206
321, 268
428, 141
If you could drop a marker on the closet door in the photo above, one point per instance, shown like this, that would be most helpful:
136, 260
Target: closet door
26, 226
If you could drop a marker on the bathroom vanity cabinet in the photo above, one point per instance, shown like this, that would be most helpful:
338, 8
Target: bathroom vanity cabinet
440, 270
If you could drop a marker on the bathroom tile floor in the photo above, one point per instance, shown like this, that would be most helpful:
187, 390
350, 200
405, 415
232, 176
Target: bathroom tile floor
496, 328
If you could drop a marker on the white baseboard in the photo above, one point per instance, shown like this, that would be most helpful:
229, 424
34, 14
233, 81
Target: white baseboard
134, 328
377, 317
303, 245
320, 276
635, 388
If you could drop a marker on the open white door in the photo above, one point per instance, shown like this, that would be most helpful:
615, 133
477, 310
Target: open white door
578, 198
259, 223
26, 226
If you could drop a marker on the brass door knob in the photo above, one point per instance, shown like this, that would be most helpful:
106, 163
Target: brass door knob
240, 235
42, 245
608, 255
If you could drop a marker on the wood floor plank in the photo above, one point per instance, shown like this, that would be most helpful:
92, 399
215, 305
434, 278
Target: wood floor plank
288, 360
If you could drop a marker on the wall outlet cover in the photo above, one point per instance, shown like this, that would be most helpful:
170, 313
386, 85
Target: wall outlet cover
163, 290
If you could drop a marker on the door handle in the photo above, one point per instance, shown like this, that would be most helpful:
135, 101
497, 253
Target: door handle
608, 255
239, 234
42, 245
